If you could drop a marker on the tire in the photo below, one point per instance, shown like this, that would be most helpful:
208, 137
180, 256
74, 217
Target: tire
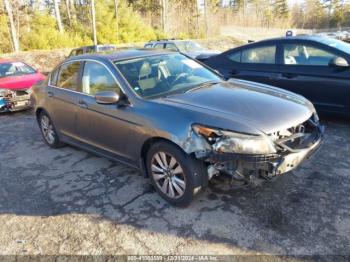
48, 131
172, 173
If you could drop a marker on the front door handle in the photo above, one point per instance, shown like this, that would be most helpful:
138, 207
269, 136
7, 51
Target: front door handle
83, 104
50, 94
288, 75
234, 72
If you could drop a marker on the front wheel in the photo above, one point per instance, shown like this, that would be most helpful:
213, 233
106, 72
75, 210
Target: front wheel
172, 173
48, 131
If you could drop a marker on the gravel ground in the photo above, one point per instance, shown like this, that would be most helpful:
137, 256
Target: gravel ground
67, 201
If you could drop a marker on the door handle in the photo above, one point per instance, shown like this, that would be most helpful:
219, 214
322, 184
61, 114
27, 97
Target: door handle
83, 104
288, 75
234, 72
50, 94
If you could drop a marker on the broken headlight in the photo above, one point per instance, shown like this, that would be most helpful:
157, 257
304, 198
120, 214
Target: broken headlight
224, 141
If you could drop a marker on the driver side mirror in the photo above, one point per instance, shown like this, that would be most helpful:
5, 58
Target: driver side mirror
338, 62
107, 97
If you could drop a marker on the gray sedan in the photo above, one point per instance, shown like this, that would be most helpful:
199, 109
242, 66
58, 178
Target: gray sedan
174, 119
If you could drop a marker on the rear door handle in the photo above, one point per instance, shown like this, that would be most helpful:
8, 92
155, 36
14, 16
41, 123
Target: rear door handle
50, 94
83, 104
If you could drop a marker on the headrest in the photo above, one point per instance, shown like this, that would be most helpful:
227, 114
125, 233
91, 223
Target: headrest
145, 70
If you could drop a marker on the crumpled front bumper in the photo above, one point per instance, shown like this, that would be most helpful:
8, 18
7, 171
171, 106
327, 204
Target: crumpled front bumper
267, 166
15, 101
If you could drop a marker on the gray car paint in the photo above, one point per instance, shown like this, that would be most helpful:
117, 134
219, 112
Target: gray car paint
122, 131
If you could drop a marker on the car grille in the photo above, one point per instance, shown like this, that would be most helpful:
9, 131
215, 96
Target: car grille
297, 137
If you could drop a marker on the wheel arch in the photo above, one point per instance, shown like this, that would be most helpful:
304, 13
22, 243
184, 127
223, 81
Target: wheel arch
38, 111
147, 145
201, 178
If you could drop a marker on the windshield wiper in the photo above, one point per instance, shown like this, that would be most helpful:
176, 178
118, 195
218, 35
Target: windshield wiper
205, 84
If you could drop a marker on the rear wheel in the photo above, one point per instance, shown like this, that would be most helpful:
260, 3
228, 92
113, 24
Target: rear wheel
172, 173
48, 131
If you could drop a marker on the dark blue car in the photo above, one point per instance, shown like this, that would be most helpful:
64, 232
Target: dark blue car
313, 66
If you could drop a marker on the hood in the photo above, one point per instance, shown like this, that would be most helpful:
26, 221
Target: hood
21, 82
261, 108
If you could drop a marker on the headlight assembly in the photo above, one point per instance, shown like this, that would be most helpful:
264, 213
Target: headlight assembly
224, 141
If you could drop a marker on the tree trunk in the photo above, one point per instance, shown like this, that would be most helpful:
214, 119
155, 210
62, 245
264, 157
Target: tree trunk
116, 18
205, 18
92, 6
68, 12
197, 19
164, 14
73, 11
58, 16
14, 36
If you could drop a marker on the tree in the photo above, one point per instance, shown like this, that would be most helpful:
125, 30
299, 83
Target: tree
164, 5
58, 16
93, 22
13, 30
281, 9
205, 7
116, 18
67, 2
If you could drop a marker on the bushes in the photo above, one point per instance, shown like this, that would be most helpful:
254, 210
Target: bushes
5, 39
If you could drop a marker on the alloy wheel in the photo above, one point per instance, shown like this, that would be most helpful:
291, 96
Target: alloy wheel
47, 129
168, 175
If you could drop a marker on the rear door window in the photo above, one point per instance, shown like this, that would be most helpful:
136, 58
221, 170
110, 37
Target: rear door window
68, 76
259, 55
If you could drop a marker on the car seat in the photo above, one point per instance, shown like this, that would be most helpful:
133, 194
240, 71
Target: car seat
146, 80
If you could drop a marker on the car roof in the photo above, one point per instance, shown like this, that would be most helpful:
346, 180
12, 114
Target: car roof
168, 41
119, 55
316, 38
89, 46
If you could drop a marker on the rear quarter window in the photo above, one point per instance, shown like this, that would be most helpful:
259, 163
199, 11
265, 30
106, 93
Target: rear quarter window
53, 77
235, 57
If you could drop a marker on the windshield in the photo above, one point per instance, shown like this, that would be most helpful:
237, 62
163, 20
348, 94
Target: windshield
163, 75
341, 45
15, 69
188, 46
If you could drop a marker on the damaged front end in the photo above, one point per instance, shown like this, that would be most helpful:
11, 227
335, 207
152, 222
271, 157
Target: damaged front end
14, 100
252, 158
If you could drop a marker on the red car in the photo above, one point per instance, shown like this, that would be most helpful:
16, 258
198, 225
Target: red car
16, 81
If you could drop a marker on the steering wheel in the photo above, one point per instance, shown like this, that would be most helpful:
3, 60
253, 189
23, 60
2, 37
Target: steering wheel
178, 78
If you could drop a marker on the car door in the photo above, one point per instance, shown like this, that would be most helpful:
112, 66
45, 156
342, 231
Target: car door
63, 95
106, 126
255, 63
306, 70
